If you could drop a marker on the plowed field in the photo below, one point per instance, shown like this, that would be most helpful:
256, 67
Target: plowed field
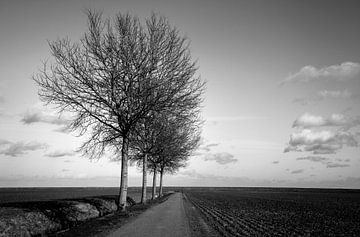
279, 212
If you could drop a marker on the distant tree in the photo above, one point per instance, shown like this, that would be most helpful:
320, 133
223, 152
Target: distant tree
176, 146
118, 73
153, 167
157, 138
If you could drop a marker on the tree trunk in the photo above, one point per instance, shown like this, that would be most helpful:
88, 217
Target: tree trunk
161, 182
154, 186
144, 181
124, 175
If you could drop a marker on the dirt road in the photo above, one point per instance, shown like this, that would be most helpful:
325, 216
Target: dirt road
165, 219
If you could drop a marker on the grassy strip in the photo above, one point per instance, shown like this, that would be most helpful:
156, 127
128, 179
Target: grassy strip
197, 222
103, 226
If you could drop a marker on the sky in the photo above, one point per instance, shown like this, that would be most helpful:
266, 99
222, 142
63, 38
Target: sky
281, 106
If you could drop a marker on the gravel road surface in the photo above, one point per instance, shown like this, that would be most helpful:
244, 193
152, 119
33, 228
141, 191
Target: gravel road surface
162, 220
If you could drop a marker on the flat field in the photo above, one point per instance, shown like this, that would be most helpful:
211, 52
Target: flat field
10, 195
279, 211
242, 211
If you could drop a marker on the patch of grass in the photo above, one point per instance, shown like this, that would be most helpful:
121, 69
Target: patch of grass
102, 226
197, 224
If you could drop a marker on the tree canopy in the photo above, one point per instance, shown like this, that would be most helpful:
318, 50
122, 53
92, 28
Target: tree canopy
119, 74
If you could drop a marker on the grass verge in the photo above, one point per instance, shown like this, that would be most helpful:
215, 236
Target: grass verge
197, 222
103, 226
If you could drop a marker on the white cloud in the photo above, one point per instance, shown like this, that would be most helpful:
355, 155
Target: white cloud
342, 72
308, 120
20, 148
345, 94
320, 142
326, 94
221, 158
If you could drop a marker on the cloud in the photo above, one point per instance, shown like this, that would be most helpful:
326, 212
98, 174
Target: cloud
63, 129
320, 142
56, 154
4, 142
212, 144
275, 162
308, 120
191, 173
325, 161
208, 146
335, 133
313, 158
342, 72
299, 171
336, 165
326, 94
21, 148
44, 117
65, 170
221, 158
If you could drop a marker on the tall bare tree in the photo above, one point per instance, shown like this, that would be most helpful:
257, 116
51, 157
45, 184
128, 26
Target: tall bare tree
144, 145
114, 76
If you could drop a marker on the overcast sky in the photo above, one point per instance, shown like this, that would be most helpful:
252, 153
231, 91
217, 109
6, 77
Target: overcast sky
281, 105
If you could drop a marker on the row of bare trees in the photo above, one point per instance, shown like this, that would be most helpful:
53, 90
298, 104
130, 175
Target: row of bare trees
163, 146
131, 88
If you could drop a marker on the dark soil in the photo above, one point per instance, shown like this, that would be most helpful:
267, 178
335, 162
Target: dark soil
279, 212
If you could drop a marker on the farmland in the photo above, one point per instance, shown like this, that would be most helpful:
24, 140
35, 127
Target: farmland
279, 211
242, 211
8, 195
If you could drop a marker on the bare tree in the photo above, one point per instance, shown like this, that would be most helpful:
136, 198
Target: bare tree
176, 146
144, 145
164, 138
114, 76
152, 166
144, 142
